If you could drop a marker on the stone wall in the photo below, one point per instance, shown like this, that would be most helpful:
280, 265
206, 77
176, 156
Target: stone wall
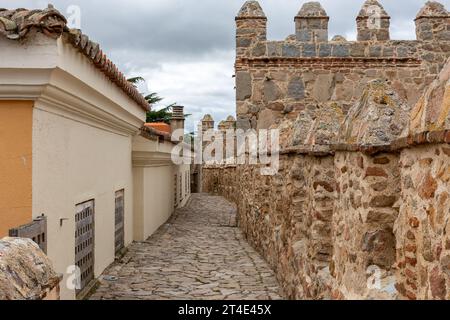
363, 219
423, 226
360, 206
276, 80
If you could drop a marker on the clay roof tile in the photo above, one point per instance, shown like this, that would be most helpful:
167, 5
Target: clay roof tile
16, 24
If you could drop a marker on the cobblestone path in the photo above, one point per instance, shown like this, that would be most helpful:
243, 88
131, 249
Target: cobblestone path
198, 254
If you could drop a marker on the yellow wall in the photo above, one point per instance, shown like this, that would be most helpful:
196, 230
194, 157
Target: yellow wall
15, 164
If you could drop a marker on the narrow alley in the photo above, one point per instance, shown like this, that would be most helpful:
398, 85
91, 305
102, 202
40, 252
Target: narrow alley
199, 254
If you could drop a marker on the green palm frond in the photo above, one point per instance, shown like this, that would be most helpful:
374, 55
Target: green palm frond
153, 98
136, 80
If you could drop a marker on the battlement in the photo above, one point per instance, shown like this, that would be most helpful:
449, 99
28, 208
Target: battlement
364, 173
278, 80
311, 26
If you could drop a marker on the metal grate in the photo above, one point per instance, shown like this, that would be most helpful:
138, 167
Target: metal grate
175, 197
36, 230
180, 188
84, 242
119, 221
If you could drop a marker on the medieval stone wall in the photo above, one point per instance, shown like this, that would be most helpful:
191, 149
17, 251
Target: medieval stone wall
276, 80
423, 226
360, 206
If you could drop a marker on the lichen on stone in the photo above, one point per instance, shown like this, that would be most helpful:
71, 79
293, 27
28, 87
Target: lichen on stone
317, 125
251, 9
26, 273
377, 119
312, 9
367, 10
432, 9
432, 111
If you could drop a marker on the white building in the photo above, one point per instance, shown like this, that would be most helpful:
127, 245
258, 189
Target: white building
74, 149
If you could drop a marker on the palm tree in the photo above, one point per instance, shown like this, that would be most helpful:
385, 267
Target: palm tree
162, 115
151, 98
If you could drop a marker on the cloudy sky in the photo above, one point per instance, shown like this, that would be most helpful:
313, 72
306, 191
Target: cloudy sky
185, 48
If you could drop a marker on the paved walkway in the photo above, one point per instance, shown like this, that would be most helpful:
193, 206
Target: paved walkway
198, 254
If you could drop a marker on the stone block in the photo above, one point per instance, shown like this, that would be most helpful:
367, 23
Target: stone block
26, 273
324, 50
243, 42
271, 91
290, 50
375, 51
267, 118
243, 85
324, 87
388, 52
357, 50
309, 50
273, 49
296, 89
304, 35
259, 50
340, 50
243, 122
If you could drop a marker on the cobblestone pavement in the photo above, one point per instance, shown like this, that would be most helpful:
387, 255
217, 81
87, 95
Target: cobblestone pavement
198, 254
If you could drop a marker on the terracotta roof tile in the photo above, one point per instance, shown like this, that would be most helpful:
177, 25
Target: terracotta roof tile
16, 24
159, 126
147, 132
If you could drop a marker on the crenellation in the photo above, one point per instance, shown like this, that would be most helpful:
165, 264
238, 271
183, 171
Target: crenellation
362, 190
295, 57
373, 22
311, 23
431, 22
207, 123
251, 26
338, 49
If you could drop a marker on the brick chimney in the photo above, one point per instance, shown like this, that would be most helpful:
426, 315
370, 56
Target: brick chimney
177, 120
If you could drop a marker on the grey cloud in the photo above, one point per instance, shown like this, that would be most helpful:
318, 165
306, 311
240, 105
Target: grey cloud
185, 47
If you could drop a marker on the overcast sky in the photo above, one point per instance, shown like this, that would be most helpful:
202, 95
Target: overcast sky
185, 48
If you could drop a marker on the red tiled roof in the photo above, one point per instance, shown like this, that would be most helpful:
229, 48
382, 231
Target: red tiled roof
159, 126
16, 24
149, 131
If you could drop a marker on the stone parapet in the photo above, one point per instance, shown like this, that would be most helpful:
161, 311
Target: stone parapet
26, 272
277, 80
359, 208
400, 49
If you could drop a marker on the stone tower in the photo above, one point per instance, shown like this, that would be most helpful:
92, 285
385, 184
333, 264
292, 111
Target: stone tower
431, 22
207, 123
373, 22
230, 122
311, 23
251, 26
